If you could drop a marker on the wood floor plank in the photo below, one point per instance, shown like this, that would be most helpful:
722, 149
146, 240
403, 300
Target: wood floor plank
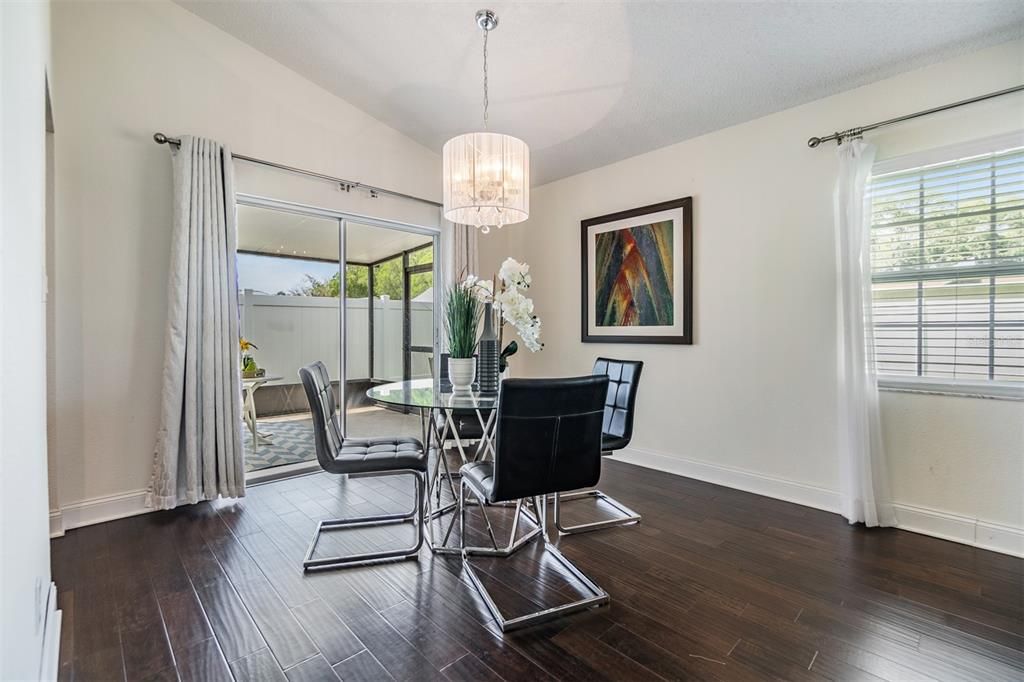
315, 669
286, 638
674, 665
234, 628
259, 666
362, 667
715, 584
400, 658
432, 641
469, 668
101, 665
611, 662
184, 619
285, 573
96, 629
203, 662
769, 662
443, 599
146, 650
334, 639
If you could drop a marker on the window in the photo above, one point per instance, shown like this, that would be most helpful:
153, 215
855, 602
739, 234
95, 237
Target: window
947, 264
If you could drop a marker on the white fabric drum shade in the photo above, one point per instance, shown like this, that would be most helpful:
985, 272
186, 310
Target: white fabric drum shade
486, 179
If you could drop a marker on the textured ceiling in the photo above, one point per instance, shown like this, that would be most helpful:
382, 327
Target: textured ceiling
589, 83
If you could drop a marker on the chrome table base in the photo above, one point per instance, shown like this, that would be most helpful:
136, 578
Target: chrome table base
435, 436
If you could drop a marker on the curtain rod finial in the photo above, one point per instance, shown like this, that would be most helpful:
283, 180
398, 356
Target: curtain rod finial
160, 138
813, 142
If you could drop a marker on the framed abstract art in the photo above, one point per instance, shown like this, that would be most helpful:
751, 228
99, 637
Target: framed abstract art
637, 272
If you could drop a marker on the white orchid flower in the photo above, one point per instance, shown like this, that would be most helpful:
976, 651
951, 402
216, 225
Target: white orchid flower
515, 308
483, 289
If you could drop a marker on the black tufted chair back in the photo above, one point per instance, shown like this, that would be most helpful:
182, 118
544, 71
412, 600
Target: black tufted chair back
326, 427
548, 436
620, 403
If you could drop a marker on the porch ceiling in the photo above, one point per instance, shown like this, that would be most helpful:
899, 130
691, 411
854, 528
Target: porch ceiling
262, 230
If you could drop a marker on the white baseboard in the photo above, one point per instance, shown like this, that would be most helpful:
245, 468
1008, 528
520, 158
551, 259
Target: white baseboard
97, 510
939, 524
50, 661
962, 529
760, 484
56, 523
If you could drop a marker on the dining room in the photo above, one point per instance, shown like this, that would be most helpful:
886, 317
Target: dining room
548, 340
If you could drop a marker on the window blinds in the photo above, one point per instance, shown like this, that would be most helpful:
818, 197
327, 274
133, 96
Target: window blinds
947, 263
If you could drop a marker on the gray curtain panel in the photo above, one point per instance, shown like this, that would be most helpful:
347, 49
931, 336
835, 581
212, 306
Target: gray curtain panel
199, 453
466, 259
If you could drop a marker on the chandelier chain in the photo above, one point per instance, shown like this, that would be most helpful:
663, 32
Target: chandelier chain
486, 99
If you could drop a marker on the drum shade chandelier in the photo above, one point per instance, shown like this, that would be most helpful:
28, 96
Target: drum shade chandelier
486, 175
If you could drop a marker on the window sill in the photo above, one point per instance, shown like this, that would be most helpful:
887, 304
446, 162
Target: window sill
997, 390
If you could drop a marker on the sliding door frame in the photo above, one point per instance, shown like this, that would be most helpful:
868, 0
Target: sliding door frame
343, 218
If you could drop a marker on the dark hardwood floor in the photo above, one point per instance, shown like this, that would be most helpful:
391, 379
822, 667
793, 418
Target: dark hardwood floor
714, 584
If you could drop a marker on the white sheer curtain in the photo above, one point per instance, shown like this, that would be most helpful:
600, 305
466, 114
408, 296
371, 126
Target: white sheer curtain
862, 464
199, 453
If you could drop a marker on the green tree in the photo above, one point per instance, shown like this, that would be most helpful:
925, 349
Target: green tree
952, 221
387, 279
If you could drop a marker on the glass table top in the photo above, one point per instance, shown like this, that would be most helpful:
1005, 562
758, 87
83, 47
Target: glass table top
426, 393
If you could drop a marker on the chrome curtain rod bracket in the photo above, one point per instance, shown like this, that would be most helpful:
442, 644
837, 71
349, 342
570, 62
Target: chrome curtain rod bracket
858, 132
344, 185
839, 137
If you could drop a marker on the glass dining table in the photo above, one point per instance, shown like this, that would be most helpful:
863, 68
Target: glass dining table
439, 406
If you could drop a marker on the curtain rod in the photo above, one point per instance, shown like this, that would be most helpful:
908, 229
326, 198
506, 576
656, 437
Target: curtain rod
857, 132
346, 185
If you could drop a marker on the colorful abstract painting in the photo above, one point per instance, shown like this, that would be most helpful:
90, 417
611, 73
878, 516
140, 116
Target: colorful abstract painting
633, 273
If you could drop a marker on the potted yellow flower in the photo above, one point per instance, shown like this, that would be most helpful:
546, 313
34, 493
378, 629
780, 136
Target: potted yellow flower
249, 368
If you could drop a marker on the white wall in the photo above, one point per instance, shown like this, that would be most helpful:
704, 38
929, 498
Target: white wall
28, 624
752, 402
121, 72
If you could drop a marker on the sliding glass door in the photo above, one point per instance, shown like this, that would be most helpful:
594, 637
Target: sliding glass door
291, 286
288, 289
397, 314
418, 343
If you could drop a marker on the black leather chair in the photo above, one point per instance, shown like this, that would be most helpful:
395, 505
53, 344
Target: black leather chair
617, 427
547, 440
381, 456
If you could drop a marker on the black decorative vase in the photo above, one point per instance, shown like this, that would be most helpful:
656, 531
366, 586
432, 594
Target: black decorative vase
487, 367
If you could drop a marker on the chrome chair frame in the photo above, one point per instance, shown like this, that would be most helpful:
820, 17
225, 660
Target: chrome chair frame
598, 596
415, 516
358, 458
626, 517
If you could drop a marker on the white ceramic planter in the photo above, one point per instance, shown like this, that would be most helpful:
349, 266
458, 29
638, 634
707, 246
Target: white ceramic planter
461, 372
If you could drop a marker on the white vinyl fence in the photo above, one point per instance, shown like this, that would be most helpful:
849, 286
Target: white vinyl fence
293, 331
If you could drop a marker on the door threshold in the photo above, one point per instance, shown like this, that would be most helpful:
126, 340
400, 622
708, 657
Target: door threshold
284, 471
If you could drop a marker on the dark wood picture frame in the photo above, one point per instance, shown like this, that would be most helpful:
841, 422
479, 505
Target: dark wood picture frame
686, 338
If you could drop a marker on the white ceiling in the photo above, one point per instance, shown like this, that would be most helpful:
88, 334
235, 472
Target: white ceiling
589, 83
272, 232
